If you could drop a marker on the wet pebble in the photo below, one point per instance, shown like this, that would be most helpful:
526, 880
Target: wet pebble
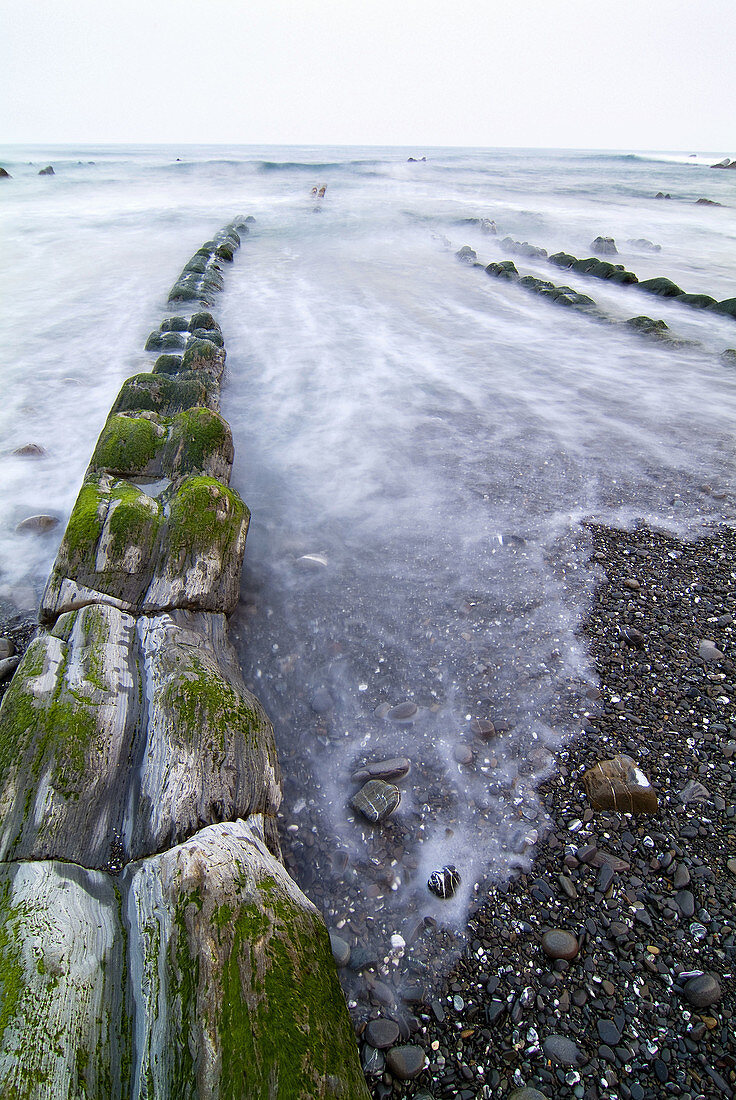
7, 648
381, 1033
340, 950
373, 1061
376, 800
445, 882
37, 525
703, 991
463, 754
403, 712
395, 768
560, 944
405, 1062
30, 450
609, 1032
562, 1050
8, 665
527, 1093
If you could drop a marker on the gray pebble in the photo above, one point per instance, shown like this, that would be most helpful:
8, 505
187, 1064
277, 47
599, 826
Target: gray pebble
381, 1033
373, 1061
562, 1050
703, 991
709, 651
685, 902
609, 1032
559, 944
340, 949
463, 754
7, 649
405, 1062
403, 712
681, 877
7, 666
37, 525
527, 1093
376, 800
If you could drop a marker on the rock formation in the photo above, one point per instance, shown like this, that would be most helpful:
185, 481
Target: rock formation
152, 945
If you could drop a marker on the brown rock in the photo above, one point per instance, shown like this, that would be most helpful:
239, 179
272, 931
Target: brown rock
619, 784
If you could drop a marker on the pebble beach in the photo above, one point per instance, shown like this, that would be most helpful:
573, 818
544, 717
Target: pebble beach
607, 969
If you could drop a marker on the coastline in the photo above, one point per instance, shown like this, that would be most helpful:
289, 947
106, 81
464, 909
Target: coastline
618, 1001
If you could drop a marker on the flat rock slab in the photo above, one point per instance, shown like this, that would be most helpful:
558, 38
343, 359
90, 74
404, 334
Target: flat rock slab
120, 737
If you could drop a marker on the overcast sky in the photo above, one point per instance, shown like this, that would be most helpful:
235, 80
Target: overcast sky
615, 74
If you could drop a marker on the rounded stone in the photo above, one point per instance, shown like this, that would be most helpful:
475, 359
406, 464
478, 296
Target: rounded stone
444, 883
376, 800
527, 1093
7, 648
403, 712
37, 525
463, 754
703, 991
30, 450
559, 944
562, 1050
405, 1062
381, 1033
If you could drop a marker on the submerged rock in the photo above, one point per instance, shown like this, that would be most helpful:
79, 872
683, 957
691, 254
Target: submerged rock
619, 784
47, 171
604, 246
395, 768
376, 800
30, 450
5, 175
37, 525
444, 882
467, 255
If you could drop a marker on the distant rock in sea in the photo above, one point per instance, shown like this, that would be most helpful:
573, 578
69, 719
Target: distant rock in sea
47, 171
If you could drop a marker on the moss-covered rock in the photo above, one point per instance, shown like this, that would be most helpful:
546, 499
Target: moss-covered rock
240, 991
209, 754
204, 356
727, 307
697, 301
161, 341
648, 326
201, 556
660, 286
196, 441
505, 269
203, 320
213, 335
167, 364
67, 726
110, 544
65, 1028
562, 259
167, 394
174, 324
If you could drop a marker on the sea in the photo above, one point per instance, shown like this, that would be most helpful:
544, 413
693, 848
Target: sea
422, 448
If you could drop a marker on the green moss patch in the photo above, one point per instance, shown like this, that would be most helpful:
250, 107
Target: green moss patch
126, 445
204, 516
165, 395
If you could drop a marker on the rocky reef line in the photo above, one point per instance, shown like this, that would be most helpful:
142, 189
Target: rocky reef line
152, 943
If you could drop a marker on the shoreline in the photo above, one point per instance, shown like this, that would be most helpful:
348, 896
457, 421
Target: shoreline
647, 898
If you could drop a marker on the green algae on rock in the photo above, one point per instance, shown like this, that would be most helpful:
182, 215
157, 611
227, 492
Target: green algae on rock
240, 993
197, 441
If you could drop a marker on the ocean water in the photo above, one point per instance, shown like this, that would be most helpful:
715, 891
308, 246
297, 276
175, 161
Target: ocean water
420, 446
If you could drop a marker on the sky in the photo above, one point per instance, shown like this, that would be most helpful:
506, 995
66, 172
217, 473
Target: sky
625, 74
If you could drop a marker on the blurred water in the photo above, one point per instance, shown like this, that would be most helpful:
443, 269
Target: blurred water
417, 442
